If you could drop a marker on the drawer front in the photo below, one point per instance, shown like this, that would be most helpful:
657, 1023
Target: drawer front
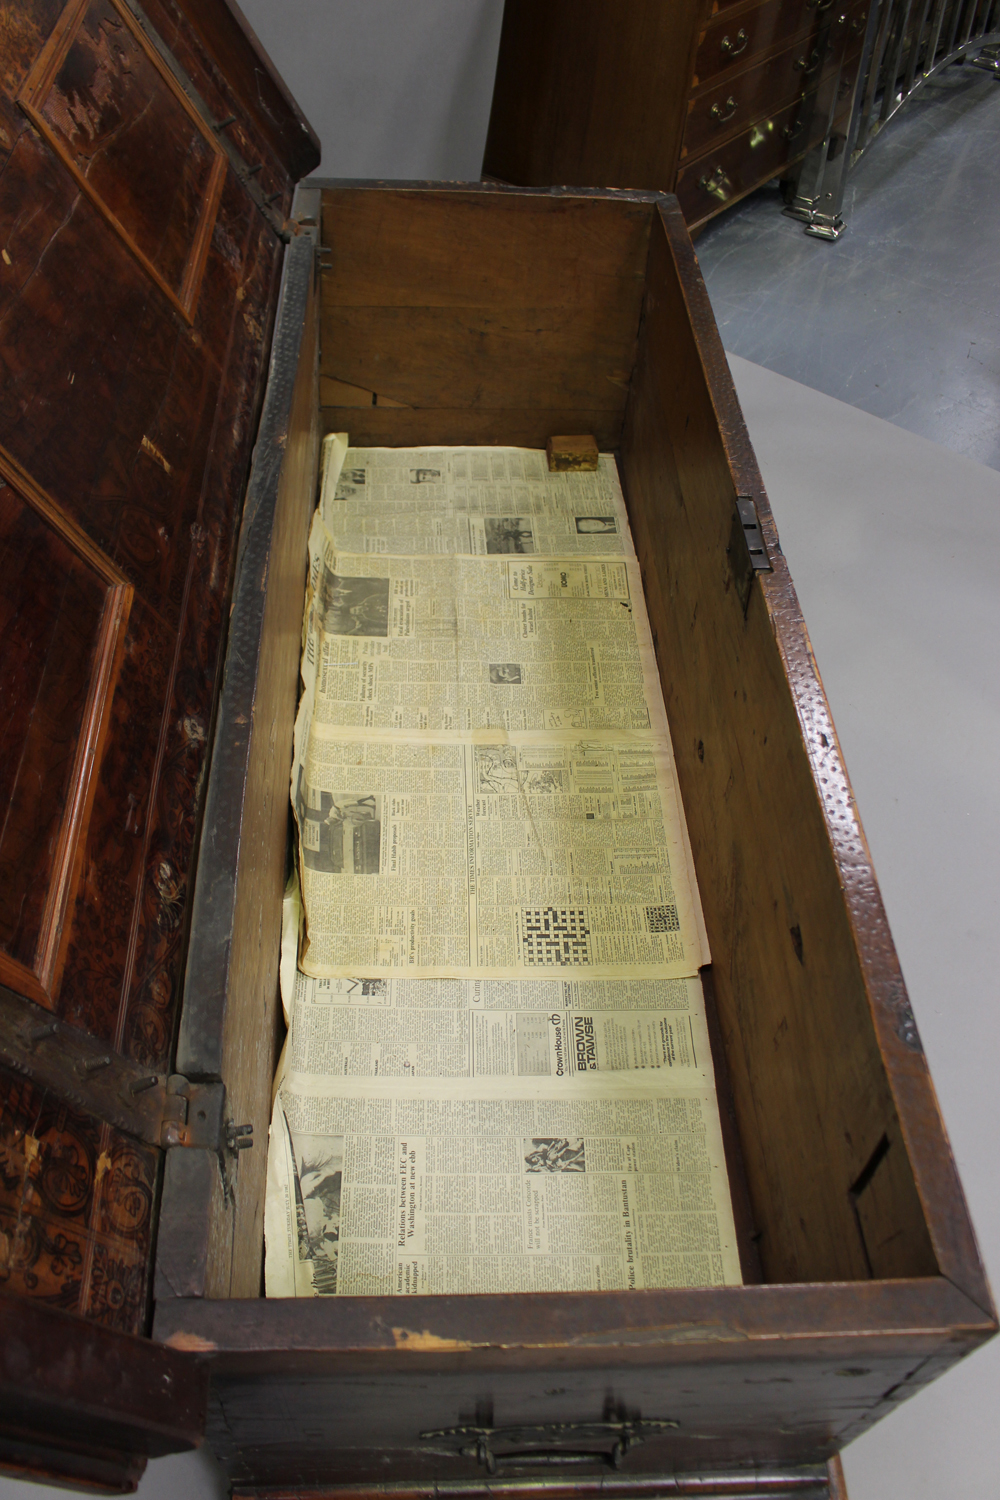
731, 41
720, 177
722, 112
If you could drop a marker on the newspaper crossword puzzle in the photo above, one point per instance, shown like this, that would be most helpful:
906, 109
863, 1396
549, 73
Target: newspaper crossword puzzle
555, 935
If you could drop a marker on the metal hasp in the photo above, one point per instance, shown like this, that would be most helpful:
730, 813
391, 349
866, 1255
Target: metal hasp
747, 552
904, 47
192, 1113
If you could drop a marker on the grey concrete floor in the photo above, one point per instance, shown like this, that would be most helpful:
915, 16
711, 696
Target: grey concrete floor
901, 315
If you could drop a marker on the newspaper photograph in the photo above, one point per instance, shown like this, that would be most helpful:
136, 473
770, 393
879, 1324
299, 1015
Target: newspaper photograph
491, 857
404, 1192
458, 644
470, 500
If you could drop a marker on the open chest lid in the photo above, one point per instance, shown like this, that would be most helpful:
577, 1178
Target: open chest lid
148, 156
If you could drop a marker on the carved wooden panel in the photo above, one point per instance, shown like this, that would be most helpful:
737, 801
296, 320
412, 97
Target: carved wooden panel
76, 1208
63, 613
138, 421
134, 416
109, 107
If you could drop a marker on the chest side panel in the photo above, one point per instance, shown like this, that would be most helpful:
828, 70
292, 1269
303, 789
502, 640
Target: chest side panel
587, 95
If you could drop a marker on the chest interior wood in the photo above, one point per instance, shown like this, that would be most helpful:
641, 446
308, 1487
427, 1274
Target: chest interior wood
450, 316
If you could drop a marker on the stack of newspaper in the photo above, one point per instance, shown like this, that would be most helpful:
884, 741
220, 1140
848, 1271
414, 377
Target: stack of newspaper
497, 1075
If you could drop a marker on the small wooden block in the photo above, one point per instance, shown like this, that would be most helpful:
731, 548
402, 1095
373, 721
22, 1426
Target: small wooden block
566, 453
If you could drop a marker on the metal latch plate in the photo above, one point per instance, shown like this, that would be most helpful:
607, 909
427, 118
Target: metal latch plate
192, 1113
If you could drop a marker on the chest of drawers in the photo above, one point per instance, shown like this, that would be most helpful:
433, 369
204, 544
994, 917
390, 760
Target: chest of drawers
706, 99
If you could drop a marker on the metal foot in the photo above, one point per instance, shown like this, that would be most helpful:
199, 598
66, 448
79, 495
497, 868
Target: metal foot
822, 226
826, 227
988, 59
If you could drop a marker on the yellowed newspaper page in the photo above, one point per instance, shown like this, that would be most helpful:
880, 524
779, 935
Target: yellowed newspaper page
462, 643
497, 1075
492, 857
399, 1161
377, 1189
425, 1028
471, 500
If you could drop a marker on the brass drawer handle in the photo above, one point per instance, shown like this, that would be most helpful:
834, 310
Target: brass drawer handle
791, 131
733, 49
820, 5
810, 64
723, 112
715, 184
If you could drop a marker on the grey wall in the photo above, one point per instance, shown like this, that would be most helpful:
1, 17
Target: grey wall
392, 89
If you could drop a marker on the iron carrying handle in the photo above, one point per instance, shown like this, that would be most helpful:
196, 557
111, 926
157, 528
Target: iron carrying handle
723, 112
539, 1444
733, 49
551, 1458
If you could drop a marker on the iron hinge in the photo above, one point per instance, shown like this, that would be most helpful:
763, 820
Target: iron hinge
747, 550
162, 1109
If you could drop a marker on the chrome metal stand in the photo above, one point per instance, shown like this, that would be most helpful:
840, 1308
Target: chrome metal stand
906, 43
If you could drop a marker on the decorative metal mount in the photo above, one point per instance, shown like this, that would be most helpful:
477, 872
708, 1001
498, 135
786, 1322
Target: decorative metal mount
543, 1444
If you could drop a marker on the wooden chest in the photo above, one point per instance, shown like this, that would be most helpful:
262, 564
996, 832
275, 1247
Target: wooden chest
139, 1023
704, 98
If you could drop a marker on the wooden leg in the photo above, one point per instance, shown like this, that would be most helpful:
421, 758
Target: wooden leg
838, 1487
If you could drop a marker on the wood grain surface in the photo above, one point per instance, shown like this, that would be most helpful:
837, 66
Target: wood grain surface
869, 1281
230, 1024
490, 317
590, 93
762, 1375
57, 677
84, 1407
116, 117
126, 424
769, 845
